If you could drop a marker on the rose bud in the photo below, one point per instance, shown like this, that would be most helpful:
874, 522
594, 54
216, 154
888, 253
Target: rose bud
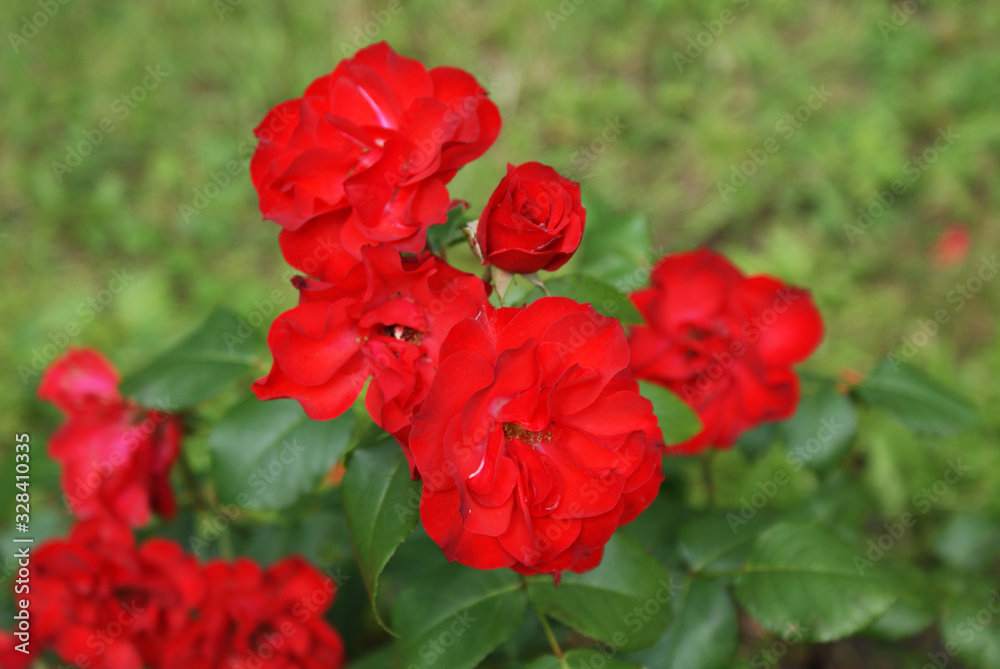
534, 220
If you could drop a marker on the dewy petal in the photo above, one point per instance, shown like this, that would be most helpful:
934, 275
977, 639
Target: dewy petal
516, 375
440, 516
365, 98
491, 521
468, 373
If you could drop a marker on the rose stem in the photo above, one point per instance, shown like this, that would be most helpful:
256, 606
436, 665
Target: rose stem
552, 640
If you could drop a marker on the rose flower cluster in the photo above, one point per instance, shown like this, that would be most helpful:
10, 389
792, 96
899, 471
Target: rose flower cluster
99, 601
525, 424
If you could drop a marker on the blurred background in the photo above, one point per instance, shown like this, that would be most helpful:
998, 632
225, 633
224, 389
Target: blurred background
851, 148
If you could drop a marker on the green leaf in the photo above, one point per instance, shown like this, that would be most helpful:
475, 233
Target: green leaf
842, 501
656, 528
902, 621
822, 430
968, 541
969, 627
380, 659
758, 441
705, 630
382, 505
319, 536
626, 601
221, 351
802, 579
915, 610
719, 543
267, 454
454, 616
605, 299
678, 421
616, 249
583, 657
450, 232
920, 402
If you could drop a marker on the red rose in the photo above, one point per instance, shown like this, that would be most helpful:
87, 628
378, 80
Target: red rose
100, 602
533, 443
385, 319
723, 342
365, 154
534, 220
260, 619
115, 455
10, 656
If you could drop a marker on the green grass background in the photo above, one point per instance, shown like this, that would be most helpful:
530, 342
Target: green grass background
558, 72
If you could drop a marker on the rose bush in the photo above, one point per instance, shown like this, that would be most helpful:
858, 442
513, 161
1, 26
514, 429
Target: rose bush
526, 443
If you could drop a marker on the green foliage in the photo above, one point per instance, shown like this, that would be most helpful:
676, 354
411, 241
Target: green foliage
265, 455
583, 657
801, 580
615, 248
677, 420
440, 237
603, 297
456, 615
715, 544
705, 630
217, 354
687, 127
969, 628
626, 601
382, 505
822, 429
919, 401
